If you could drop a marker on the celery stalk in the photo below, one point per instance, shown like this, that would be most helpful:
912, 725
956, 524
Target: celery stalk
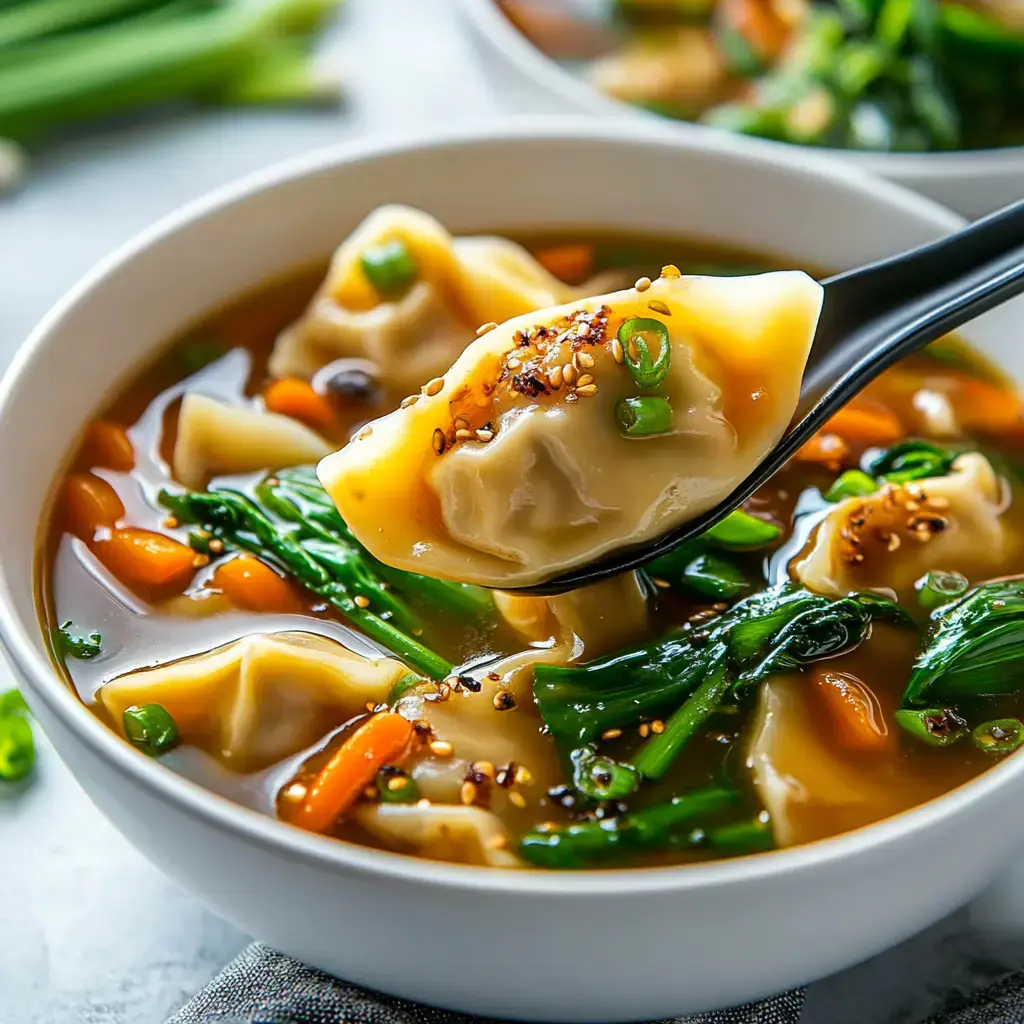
285, 72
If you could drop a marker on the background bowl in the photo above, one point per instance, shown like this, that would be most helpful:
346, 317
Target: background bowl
601, 946
972, 182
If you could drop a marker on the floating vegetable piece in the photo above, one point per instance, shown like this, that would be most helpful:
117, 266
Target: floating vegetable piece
151, 729
976, 647
715, 577
643, 417
395, 786
73, 645
854, 483
17, 748
938, 727
390, 268
1001, 736
742, 838
740, 531
935, 589
602, 778
909, 460
634, 337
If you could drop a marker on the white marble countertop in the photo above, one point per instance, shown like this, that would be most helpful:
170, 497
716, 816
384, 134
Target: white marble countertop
90, 932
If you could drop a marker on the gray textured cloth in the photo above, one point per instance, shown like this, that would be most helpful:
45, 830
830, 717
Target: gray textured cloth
264, 987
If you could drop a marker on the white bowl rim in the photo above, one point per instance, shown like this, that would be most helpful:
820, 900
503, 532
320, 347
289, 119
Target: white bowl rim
562, 83
319, 851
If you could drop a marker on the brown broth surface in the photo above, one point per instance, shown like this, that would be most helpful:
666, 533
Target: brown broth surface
142, 629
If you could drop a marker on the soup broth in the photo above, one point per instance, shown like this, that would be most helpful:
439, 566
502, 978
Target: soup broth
482, 773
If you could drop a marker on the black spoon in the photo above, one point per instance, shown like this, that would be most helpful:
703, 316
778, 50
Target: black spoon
871, 318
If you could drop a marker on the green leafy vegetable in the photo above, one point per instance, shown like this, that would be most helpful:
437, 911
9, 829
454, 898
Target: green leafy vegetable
854, 483
643, 417
976, 647
740, 531
582, 844
602, 778
935, 589
909, 460
151, 729
1001, 736
390, 268
634, 335
72, 645
395, 786
938, 727
715, 577
17, 746
742, 838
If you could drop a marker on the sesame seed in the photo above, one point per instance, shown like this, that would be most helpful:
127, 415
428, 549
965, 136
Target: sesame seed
200, 561
503, 700
460, 423
497, 842
370, 792
523, 775
939, 502
617, 354
659, 307
409, 400
485, 328
484, 435
294, 792
569, 373
671, 270
611, 734
586, 359
484, 768
514, 364
467, 794
361, 601
642, 284
216, 546
657, 727
644, 730
364, 433
432, 387
171, 522
894, 542
555, 378
397, 783
423, 803
439, 440
584, 380
463, 435
587, 390
517, 799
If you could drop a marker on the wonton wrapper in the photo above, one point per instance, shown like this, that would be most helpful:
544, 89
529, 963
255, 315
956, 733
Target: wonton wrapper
602, 617
258, 699
974, 539
558, 485
462, 283
214, 438
465, 835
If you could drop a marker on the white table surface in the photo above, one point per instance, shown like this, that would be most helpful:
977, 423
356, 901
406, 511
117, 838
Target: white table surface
89, 931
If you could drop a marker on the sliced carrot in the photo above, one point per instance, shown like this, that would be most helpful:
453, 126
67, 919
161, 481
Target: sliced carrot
825, 449
569, 263
866, 424
296, 398
90, 504
986, 407
254, 586
145, 558
380, 740
107, 444
758, 24
858, 723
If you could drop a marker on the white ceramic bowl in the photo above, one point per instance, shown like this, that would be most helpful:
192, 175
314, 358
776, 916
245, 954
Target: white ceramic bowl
601, 946
972, 183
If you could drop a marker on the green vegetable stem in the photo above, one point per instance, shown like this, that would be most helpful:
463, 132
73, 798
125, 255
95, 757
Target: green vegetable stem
151, 729
17, 746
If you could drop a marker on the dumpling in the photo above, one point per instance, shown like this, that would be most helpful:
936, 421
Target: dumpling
216, 438
461, 283
597, 619
896, 535
465, 835
515, 467
258, 699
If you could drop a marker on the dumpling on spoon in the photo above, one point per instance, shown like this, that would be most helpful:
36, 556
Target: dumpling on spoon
565, 434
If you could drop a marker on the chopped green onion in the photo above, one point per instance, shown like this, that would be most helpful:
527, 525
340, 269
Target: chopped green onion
151, 729
17, 748
743, 532
647, 373
602, 778
69, 644
908, 460
643, 417
741, 838
390, 268
402, 687
935, 589
938, 727
715, 577
12, 703
396, 787
854, 483
1001, 736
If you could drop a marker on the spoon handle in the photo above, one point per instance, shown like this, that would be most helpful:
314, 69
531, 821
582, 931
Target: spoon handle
875, 315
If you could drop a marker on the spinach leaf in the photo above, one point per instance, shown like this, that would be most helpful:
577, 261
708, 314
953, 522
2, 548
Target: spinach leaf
72, 645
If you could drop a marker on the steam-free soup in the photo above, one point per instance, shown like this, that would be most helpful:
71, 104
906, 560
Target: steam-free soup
838, 650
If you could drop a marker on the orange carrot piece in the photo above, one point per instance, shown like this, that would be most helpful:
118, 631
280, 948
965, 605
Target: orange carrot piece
380, 740
569, 263
757, 24
254, 586
144, 558
986, 407
107, 444
90, 504
853, 711
290, 396
866, 424
825, 449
